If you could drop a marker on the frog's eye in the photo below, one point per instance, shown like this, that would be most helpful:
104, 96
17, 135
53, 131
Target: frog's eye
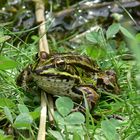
42, 55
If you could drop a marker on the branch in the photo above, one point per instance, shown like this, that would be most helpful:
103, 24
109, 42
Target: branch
40, 18
43, 51
114, 7
42, 125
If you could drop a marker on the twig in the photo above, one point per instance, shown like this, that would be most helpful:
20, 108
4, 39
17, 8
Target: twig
39, 7
43, 51
91, 5
51, 109
43, 43
42, 125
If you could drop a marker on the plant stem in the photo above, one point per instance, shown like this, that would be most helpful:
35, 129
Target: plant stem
42, 126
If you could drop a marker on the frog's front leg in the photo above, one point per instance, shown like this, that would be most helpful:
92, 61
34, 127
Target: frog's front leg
25, 79
90, 95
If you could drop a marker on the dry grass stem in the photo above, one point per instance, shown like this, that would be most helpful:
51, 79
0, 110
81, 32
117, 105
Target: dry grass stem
43, 51
40, 18
51, 109
42, 126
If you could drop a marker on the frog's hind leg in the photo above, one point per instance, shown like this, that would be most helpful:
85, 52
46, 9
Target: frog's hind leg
89, 95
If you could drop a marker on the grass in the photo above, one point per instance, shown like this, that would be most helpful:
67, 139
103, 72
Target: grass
19, 111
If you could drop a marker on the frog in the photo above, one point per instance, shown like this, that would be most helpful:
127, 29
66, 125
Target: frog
73, 75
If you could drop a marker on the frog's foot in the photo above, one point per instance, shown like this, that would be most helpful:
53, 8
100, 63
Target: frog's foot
108, 81
90, 95
25, 80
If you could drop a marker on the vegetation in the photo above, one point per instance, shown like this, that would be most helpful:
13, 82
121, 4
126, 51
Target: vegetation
114, 117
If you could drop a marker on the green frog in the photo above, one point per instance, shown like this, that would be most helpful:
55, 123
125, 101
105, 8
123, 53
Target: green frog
71, 75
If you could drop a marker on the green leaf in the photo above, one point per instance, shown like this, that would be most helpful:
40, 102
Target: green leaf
76, 136
4, 38
4, 137
6, 102
2, 131
138, 37
64, 105
133, 136
126, 32
56, 134
22, 108
23, 121
112, 30
93, 37
75, 118
95, 52
35, 37
115, 122
6, 63
58, 118
109, 129
35, 115
8, 114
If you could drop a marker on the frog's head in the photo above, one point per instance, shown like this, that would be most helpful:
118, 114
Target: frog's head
109, 81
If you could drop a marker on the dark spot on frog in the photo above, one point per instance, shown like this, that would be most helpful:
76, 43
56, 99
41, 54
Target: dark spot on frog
110, 87
48, 79
38, 71
77, 91
57, 76
48, 66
